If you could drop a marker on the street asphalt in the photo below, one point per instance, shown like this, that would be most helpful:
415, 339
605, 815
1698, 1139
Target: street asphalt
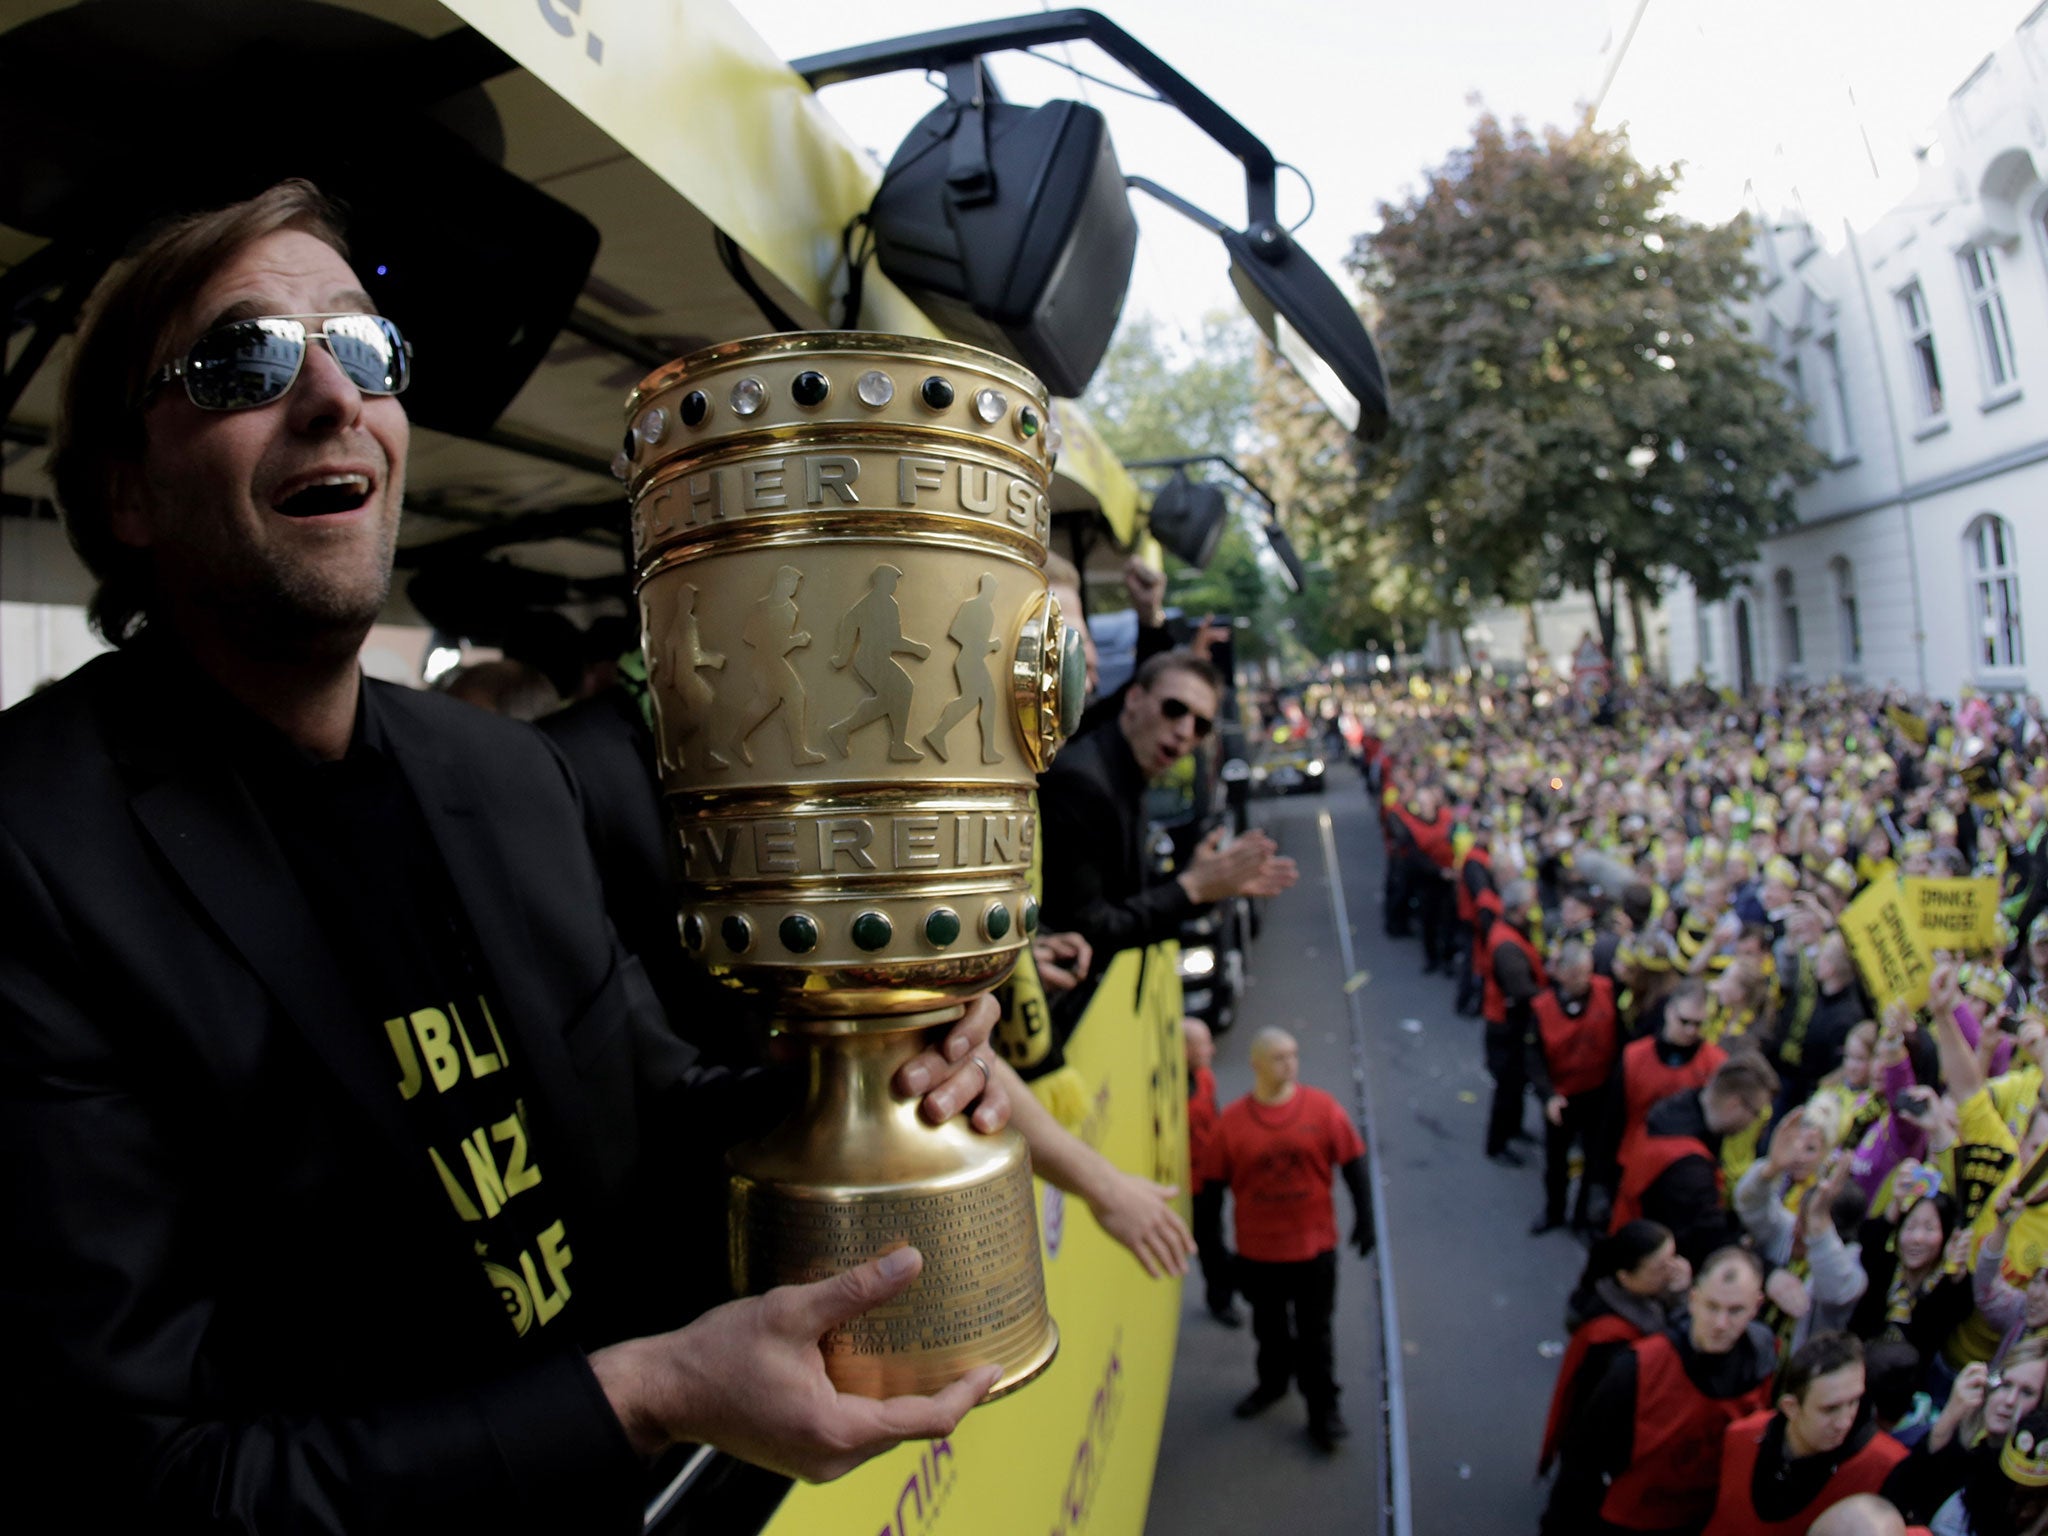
1480, 1302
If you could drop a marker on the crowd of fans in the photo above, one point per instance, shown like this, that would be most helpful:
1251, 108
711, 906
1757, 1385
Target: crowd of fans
1815, 1293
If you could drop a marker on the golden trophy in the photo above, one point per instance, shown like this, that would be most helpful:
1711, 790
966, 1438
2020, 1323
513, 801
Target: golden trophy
857, 674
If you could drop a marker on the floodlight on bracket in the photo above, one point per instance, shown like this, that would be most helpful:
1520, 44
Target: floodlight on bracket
1303, 314
1291, 568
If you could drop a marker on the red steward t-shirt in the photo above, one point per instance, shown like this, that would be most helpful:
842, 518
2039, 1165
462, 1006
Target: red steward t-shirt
1202, 1115
1279, 1160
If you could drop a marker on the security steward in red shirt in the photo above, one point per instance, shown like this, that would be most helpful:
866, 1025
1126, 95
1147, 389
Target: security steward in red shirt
1277, 1147
1219, 1282
1645, 1454
1514, 975
1572, 1052
1420, 834
1672, 1173
1673, 1060
1475, 893
1780, 1469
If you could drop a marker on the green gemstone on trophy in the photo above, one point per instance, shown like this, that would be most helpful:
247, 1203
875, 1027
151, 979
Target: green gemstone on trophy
996, 921
799, 934
1027, 422
1073, 680
942, 927
738, 934
871, 931
693, 931
1030, 914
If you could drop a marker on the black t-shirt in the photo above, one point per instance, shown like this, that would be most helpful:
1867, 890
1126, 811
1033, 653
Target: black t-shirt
354, 835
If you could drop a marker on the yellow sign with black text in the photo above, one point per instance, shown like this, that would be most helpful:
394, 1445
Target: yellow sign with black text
1954, 914
1886, 942
1073, 1452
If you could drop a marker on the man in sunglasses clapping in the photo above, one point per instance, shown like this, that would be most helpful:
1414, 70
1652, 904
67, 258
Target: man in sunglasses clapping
1092, 806
351, 1179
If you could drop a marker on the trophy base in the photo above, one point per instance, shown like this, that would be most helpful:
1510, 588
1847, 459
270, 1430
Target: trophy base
854, 1174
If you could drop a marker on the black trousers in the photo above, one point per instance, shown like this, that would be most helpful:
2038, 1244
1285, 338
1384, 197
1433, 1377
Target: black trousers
1219, 1264
1398, 896
1504, 1063
1291, 1309
1436, 912
1470, 986
1581, 1124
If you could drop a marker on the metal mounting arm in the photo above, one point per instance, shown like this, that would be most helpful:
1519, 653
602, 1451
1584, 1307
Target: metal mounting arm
955, 45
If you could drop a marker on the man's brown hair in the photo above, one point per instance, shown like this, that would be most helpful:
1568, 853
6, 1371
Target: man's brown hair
1745, 1073
1179, 660
124, 337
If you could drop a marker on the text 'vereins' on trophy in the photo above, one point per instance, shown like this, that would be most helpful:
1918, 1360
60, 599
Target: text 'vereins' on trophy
857, 673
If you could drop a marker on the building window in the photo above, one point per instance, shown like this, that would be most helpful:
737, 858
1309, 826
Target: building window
1841, 436
1788, 621
1846, 616
1706, 637
1987, 317
1921, 361
1994, 593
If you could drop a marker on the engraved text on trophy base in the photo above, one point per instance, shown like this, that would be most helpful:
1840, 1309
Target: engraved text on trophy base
980, 1247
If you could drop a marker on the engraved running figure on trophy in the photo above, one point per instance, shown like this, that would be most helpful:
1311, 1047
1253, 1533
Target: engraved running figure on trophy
771, 635
974, 632
686, 659
870, 637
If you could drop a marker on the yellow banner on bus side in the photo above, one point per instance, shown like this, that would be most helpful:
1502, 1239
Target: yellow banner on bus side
1886, 943
1957, 914
1072, 1452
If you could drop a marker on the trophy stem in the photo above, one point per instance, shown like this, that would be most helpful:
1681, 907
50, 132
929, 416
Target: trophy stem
854, 1173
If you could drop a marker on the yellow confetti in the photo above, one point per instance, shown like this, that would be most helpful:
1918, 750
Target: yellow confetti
1467, 1096
1358, 979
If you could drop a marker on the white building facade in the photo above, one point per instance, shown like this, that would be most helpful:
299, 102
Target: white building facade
1920, 347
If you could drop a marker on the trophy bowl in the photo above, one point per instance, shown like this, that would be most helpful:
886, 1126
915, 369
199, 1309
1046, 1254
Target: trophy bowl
857, 673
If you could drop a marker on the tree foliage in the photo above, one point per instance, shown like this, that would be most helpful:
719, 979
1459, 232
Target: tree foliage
1151, 400
1577, 401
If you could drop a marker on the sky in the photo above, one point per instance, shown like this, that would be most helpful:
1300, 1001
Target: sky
1755, 96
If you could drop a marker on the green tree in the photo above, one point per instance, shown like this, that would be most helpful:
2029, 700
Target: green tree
1151, 400
1577, 400
1365, 588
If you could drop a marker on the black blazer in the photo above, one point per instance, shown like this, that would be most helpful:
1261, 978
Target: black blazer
1091, 805
232, 1296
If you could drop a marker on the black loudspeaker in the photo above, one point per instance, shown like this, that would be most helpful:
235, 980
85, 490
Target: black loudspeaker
1010, 226
1188, 519
478, 268
121, 112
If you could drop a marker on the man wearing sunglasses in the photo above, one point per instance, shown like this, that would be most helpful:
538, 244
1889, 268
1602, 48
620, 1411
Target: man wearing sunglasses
345, 1159
1091, 805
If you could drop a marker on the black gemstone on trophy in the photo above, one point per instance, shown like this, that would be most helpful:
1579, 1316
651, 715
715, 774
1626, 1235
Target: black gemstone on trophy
738, 934
693, 407
936, 392
809, 388
632, 443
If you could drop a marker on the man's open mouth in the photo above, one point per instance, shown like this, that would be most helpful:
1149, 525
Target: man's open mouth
329, 494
